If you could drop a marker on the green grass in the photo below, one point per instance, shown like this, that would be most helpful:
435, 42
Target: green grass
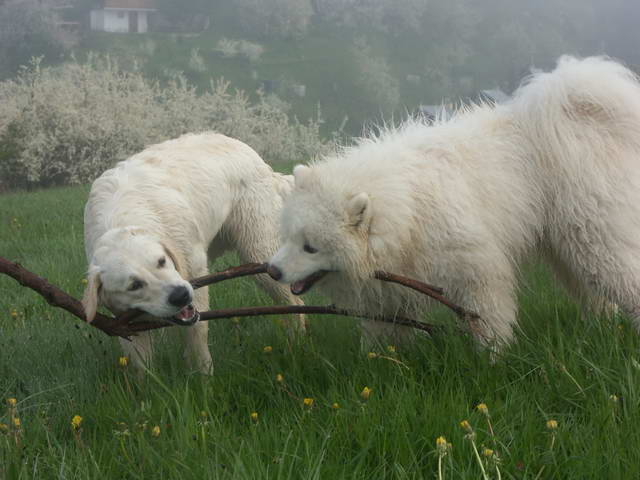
562, 367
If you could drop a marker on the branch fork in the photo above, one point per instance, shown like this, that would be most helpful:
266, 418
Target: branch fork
125, 325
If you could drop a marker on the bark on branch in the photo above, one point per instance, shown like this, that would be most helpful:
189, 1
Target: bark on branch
432, 291
124, 326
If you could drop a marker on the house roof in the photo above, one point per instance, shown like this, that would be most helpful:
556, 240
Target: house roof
130, 4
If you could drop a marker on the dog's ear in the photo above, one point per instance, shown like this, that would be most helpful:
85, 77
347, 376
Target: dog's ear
300, 173
169, 252
91, 294
359, 210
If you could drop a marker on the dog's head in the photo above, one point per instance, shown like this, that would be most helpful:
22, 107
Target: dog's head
321, 233
134, 270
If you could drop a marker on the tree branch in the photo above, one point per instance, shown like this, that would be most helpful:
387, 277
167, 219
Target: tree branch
124, 325
434, 292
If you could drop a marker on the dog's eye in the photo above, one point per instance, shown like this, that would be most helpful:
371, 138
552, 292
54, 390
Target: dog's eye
162, 262
309, 249
135, 285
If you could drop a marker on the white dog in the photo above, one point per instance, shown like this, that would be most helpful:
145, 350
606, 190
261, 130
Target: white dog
150, 221
460, 204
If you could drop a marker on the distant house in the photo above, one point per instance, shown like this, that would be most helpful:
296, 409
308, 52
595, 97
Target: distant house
122, 16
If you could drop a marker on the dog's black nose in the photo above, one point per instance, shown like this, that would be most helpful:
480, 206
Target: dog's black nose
180, 297
274, 272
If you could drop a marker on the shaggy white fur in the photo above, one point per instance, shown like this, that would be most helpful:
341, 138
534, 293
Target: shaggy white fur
461, 203
154, 217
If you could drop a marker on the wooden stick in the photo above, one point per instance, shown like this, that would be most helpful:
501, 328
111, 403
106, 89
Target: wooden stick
58, 298
122, 326
285, 310
434, 292
229, 273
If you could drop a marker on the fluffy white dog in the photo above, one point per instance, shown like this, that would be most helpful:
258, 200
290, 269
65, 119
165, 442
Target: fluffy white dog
462, 203
151, 220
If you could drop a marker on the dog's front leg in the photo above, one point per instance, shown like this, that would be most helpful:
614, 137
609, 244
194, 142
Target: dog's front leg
139, 350
197, 337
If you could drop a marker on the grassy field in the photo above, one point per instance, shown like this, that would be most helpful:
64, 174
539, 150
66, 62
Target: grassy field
584, 373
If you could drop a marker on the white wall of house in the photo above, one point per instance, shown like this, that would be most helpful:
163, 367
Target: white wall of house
117, 21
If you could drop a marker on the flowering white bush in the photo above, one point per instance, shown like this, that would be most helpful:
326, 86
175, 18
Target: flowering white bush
253, 51
228, 48
196, 62
68, 124
233, 48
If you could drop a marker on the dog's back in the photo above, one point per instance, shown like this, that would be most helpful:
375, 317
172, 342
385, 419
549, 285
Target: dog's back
195, 174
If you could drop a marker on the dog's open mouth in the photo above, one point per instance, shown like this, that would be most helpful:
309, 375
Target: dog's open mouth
185, 317
303, 286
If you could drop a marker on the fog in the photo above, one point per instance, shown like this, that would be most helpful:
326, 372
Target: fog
334, 66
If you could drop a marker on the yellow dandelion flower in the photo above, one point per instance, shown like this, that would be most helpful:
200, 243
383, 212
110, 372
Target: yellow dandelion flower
123, 361
254, 416
391, 349
335, 406
308, 402
14, 313
76, 421
267, 349
16, 422
487, 452
466, 426
11, 402
279, 378
155, 431
552, 424
84, 281
442, 446
366, 393
372, 355
482, 408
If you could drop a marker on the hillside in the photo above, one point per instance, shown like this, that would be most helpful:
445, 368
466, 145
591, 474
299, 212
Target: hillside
355, 61
324, 61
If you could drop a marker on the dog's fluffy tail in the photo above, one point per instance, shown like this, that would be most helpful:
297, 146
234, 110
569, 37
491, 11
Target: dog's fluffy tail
595, 92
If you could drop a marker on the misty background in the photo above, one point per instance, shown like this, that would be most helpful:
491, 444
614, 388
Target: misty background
81, 88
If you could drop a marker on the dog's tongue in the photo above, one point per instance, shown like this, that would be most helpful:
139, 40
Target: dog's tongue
186, 313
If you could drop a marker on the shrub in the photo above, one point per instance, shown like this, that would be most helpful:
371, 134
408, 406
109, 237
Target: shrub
66, 125
374, 78
252, 51
196, 62
233, 48
228, 48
